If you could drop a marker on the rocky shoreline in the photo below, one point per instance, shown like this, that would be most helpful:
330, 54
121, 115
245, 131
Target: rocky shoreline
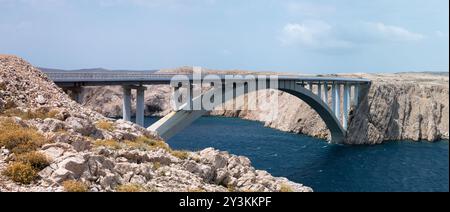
50, 143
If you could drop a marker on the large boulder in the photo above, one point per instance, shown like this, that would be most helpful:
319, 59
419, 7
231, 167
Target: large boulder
79, 125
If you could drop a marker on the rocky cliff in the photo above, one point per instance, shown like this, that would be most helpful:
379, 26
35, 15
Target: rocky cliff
50, 143
404, 106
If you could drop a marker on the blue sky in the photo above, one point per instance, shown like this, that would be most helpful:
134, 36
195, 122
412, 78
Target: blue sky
320, 36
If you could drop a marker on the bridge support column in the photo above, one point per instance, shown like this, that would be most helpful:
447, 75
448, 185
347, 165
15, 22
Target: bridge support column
140, 105
126, 106
356, 95
190, 97
319, 90
346, 105
336, 98
325, 93
309, 86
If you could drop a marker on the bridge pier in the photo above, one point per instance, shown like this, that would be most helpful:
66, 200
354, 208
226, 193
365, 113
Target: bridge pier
346, 105
356, 95
336, 100
126, 106
140, 103
319, 90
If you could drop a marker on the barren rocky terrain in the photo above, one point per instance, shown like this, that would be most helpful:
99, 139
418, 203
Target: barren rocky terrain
50, 143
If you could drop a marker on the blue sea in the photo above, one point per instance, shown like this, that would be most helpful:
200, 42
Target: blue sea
394, 166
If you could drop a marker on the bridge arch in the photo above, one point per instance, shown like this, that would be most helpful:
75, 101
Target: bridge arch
176, 121
326, 114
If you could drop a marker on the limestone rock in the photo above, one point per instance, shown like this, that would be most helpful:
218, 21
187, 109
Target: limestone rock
40, 99
81, 126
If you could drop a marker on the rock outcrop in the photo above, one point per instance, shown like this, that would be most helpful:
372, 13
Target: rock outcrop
104, 154
405, 106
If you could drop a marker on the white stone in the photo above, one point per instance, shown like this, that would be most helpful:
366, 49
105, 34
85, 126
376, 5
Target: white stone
41, 99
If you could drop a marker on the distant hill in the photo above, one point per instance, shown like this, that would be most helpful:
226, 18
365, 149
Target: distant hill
90, 70
426, 72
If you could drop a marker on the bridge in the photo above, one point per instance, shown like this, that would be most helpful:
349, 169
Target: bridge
332, 98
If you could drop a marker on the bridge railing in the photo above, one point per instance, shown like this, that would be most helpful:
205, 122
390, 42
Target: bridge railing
146, 76
58, 76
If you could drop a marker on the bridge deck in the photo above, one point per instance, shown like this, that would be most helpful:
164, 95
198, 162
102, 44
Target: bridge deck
151, 78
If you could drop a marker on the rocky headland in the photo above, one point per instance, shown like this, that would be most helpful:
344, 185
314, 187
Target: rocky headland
402, 106
50, 143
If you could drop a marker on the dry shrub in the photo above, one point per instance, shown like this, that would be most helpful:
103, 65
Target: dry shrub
40, 113
19, 139
37, 160
108, 143
286, 188
105, 125
74, 186
21, 172
183, 155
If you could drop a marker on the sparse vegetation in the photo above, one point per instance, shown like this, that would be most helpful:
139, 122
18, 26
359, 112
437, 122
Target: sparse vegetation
23, 142
130, 188
141, 143
41, 113
137, 145
286, 188
21, 172
156, 166
75, 186
231, 188
105, 125
145, 143
110, 144
196, 190
180, 154
37, 160
152, 143
19, 139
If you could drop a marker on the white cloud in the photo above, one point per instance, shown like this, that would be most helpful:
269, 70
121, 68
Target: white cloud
309, 9
441, 34
395, 33
312, 34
